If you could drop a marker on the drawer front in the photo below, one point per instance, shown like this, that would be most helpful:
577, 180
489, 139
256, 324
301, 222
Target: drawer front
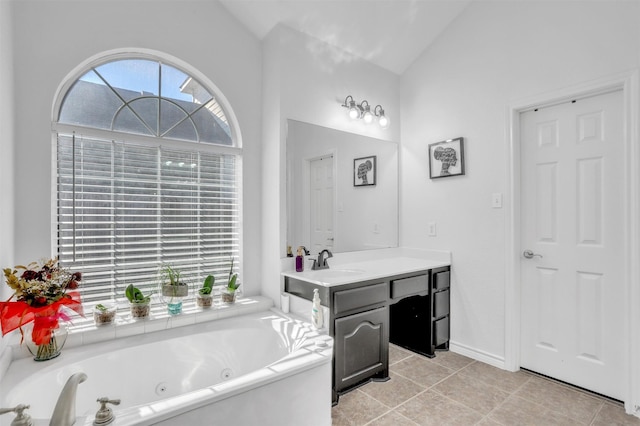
441, 303
347, 300
441, 331
406, 286
441, 280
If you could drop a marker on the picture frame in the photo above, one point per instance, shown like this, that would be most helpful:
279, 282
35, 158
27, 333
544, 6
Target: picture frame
446, 158
364, 171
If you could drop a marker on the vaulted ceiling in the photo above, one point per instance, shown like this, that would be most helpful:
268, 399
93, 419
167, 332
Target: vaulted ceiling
389, 33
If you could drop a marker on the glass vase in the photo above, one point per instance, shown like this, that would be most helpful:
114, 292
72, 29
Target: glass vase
174, 306
50, 335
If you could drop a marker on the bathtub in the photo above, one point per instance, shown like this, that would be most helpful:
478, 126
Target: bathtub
263, 368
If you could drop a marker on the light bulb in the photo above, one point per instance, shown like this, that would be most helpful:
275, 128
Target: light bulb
383, 121
353, 112
367, 115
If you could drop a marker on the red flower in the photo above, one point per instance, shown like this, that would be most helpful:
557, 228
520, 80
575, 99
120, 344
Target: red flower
29, 275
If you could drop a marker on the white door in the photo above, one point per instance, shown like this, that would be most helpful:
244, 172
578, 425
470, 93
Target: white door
321, 196
572, 222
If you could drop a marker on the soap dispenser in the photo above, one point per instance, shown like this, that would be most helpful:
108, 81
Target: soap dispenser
316, 310
300, 259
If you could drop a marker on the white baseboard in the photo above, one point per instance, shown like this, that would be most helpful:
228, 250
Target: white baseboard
477, 354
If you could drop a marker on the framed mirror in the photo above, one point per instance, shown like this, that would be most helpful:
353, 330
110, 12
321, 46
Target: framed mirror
328, 206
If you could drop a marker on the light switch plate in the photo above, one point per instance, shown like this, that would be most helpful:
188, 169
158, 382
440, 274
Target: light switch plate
431, 229
496, 200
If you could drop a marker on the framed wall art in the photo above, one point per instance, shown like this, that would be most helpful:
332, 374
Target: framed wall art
364, 171
446, 158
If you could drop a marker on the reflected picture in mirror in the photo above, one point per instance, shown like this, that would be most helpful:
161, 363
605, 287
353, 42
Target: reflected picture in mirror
364, 171
327, 207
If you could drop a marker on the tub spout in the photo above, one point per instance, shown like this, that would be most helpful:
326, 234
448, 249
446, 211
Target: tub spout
65, 412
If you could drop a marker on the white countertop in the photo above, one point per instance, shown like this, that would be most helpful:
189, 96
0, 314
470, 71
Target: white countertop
369, 265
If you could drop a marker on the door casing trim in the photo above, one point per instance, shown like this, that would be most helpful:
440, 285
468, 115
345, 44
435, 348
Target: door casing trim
629, 84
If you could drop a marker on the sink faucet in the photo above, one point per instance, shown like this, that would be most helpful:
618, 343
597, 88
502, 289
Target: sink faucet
65, 412
321, 263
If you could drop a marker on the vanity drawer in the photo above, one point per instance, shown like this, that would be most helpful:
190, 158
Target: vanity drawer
347, 300
441, 280
441, 331
406, 286
441, 303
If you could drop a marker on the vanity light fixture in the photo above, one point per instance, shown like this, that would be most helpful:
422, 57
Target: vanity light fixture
363, 111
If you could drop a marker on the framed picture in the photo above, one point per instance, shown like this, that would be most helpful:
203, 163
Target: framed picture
364, 171
446, 158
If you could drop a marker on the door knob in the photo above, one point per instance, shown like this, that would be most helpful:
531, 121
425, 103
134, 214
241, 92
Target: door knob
529, 254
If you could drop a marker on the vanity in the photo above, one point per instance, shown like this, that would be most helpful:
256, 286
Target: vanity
376, 297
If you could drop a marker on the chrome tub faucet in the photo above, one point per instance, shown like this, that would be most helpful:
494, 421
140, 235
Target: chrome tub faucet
64, 414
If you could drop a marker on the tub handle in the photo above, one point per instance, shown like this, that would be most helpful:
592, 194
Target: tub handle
21, 419
105, 416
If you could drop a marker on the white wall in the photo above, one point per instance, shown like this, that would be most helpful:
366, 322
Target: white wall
307, 80
6, 148
51, 38
495, 53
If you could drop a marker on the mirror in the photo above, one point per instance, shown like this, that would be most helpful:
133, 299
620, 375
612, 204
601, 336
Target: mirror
342, 190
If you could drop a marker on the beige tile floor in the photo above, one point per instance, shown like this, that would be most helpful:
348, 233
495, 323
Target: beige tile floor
452, 389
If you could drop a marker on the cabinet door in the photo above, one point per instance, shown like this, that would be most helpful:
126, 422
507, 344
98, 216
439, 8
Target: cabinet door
361, 347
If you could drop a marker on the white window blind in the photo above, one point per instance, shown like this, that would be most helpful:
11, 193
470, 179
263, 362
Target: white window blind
125, 209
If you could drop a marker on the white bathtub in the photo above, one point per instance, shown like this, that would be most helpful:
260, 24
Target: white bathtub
258, 369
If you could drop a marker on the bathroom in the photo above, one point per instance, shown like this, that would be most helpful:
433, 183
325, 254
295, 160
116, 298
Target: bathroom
494, 56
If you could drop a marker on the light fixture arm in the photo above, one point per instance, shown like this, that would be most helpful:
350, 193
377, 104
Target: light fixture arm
348, 103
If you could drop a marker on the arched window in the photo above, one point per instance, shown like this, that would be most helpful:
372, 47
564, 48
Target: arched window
147, 175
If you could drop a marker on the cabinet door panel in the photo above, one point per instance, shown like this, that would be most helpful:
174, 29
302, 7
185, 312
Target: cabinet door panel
361, 346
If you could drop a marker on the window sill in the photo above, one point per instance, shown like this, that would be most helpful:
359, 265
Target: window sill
85, 332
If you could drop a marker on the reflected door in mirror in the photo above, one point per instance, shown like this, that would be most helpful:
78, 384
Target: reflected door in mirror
321, 203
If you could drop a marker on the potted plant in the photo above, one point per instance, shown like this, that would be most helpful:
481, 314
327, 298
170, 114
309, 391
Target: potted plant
204, 297
104, 314
229, 292
138, 302
173, 288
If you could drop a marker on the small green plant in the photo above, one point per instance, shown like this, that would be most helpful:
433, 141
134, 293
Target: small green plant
101, 307
134, 295
232, 286
207, 287
170, 275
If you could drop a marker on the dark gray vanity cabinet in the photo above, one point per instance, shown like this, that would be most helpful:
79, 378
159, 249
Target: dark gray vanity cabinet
359, 323
411, 310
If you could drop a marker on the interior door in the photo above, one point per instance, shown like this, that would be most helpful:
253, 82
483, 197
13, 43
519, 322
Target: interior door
321, 204
572, 236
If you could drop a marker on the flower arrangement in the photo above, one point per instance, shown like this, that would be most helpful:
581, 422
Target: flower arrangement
40, 289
